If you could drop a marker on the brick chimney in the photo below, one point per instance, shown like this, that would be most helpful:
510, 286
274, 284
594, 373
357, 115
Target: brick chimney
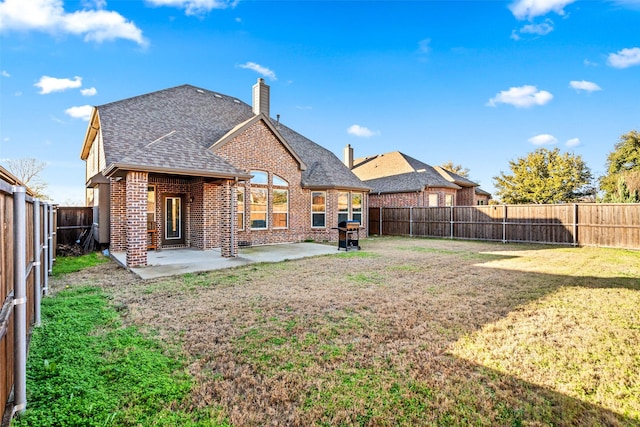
348, 156
261, 97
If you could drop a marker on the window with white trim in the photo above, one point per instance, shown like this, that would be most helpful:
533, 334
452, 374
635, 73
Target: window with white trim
433, 200
356, 207
318, 209
350, 206
343, 206
151, 207
240, 207
280, 203
259, 200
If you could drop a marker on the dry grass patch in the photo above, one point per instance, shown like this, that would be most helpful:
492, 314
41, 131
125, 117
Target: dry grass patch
407, 332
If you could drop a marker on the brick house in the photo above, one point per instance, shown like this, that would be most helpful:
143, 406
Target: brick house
188, 167
398, 180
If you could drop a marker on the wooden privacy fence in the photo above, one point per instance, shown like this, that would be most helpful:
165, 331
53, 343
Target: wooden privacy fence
71, 221
586, 224
26, 257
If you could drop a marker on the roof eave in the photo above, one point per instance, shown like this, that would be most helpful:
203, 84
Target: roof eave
335, 187
90, 135
114, 168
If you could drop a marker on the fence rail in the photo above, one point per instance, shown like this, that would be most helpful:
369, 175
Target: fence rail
588, 224
26, 256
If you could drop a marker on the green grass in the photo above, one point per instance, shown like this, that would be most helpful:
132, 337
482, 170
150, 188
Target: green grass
71, 264
85, 369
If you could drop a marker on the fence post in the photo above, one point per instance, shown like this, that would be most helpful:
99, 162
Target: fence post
410, 221
451, 222
37, 256
19, 299
504, 225
380, 220
575, 224
45, 247
52, 232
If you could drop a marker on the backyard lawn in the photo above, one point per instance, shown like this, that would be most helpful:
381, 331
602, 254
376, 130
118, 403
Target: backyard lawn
404, 332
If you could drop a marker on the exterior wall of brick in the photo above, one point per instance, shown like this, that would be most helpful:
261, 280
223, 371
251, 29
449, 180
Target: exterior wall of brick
463, 197
118, 216
136, 197
482, 199
257, 148
168, 186
466, 196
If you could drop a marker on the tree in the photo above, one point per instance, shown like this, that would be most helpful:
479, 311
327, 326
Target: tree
544, 176
623, 163
623, 195
457, 169
28, 171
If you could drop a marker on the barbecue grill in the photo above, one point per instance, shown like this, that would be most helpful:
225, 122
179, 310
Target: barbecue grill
348, 235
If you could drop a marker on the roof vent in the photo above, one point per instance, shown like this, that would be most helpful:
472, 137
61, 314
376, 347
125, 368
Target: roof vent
217, 95
199, 91
421, 170
236, 101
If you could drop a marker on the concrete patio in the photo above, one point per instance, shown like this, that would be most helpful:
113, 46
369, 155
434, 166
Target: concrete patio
170, 262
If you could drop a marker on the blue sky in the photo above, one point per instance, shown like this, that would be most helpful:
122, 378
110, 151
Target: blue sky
475, 82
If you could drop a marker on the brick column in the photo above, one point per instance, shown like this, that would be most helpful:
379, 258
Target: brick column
137, 183
228, 220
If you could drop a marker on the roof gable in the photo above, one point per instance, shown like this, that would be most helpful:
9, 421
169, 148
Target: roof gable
398, 172
241, 127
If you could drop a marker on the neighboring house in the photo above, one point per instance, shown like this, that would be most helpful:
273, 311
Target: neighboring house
187, 167
398, 180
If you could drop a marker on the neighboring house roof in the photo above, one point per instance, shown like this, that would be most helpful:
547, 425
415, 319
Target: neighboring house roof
396, 172
172, 130
455, 178
479, 191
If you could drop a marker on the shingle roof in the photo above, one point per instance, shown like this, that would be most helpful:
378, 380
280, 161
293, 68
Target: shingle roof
396, 172
184, 121
324, 169
455, 178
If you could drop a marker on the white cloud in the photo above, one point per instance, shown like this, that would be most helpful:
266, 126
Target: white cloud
49, 16
536, 29
51, 84
89, 91
584, 85
195, 7
529, 9
625, 58
260, 70
424, 46
81, 112
5, 73
543, 139
573, 142
361, 131
521, 97
588, 63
